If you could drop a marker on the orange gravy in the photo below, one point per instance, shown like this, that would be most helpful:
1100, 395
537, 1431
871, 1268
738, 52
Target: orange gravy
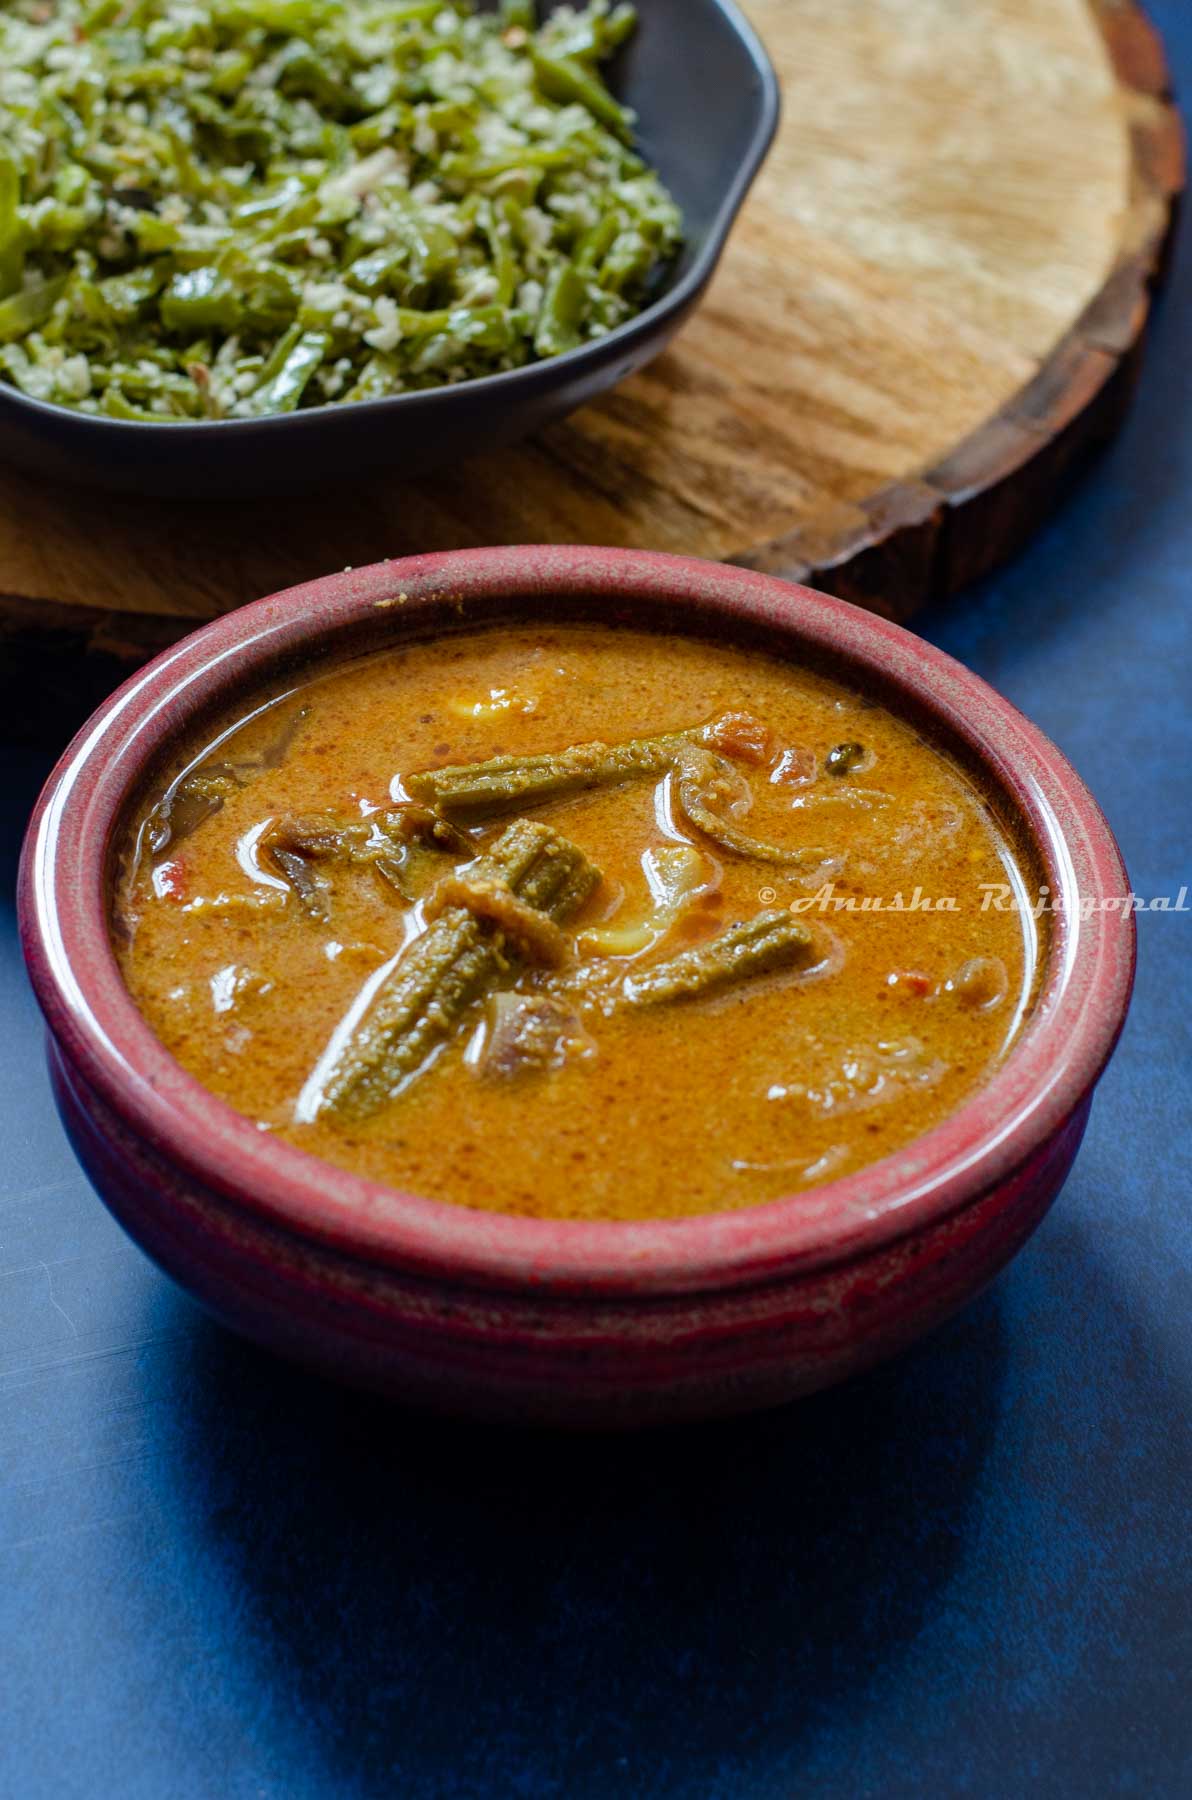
767, 1085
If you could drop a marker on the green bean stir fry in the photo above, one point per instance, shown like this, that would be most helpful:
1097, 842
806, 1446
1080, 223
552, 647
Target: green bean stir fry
239, 208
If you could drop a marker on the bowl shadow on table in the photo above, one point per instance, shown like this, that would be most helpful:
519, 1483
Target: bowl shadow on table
579, 1603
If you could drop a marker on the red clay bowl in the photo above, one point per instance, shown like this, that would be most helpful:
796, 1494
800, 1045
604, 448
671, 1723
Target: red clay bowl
573, 1323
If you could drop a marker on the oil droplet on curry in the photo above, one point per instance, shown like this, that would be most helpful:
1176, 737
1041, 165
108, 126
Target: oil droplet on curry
583, 923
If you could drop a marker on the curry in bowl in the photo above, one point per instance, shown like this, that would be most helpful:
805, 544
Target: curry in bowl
582, 922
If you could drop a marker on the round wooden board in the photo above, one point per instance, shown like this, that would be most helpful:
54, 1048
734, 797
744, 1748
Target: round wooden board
932, 308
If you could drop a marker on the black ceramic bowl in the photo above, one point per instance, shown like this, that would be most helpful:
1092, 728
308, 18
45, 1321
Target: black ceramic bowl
706, 99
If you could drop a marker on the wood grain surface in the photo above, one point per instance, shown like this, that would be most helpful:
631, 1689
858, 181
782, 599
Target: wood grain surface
932, 309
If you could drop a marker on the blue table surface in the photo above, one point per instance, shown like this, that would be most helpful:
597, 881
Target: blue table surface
967, 1574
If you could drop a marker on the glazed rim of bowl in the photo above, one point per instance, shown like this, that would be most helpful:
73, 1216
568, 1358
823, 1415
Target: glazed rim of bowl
675, 296
1082, 995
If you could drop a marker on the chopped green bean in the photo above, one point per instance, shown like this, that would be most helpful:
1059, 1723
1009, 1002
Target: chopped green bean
561, 320
199, 300
283, 391
12, 259
563, 79
25, 311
